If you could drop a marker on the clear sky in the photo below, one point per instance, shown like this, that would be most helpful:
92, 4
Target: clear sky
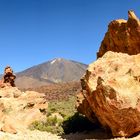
35, 31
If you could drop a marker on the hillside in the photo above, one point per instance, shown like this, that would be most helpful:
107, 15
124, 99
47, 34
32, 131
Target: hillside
55, 71
60, 91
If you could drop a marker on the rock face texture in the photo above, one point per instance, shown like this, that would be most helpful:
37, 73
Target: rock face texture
122, 36
111, 88
84, 107
19, 109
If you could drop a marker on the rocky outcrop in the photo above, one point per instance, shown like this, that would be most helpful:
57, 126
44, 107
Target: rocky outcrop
19, 109
122, 36
8, 78
111, 86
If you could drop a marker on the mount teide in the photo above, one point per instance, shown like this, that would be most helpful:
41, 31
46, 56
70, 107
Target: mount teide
54, 71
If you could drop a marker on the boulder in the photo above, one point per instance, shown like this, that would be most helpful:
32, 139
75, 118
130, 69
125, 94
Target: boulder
111, 91
122, 36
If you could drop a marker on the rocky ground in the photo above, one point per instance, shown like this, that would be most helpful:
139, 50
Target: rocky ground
29, 135
37, 135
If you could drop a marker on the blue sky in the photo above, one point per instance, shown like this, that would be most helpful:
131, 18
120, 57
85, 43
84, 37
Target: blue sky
35, 31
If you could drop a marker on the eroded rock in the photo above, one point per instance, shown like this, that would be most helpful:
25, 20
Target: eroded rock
122, 36
19, 109
112, 85
8, 78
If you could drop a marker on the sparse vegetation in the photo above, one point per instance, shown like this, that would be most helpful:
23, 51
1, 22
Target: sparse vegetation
62, 99
72, 121
52, 124
65, 107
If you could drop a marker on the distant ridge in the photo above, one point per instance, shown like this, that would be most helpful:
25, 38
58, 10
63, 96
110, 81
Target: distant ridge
54, 71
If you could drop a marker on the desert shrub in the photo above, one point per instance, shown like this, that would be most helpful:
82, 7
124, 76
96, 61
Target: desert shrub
55, 129
52, 121
39, 125
77, 123
52, 124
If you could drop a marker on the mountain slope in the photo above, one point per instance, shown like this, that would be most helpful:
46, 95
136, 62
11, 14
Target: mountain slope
54, 71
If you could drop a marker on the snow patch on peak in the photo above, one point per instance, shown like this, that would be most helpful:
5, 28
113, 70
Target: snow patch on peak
55, 60
52, 62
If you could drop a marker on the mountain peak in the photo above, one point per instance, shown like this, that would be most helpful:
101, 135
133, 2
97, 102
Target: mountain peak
53, 71
56, 60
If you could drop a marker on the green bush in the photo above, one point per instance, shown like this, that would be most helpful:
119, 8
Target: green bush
52, 124
51, 121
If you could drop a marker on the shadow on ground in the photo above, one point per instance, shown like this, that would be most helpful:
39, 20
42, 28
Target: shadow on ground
98, 134
79, 127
